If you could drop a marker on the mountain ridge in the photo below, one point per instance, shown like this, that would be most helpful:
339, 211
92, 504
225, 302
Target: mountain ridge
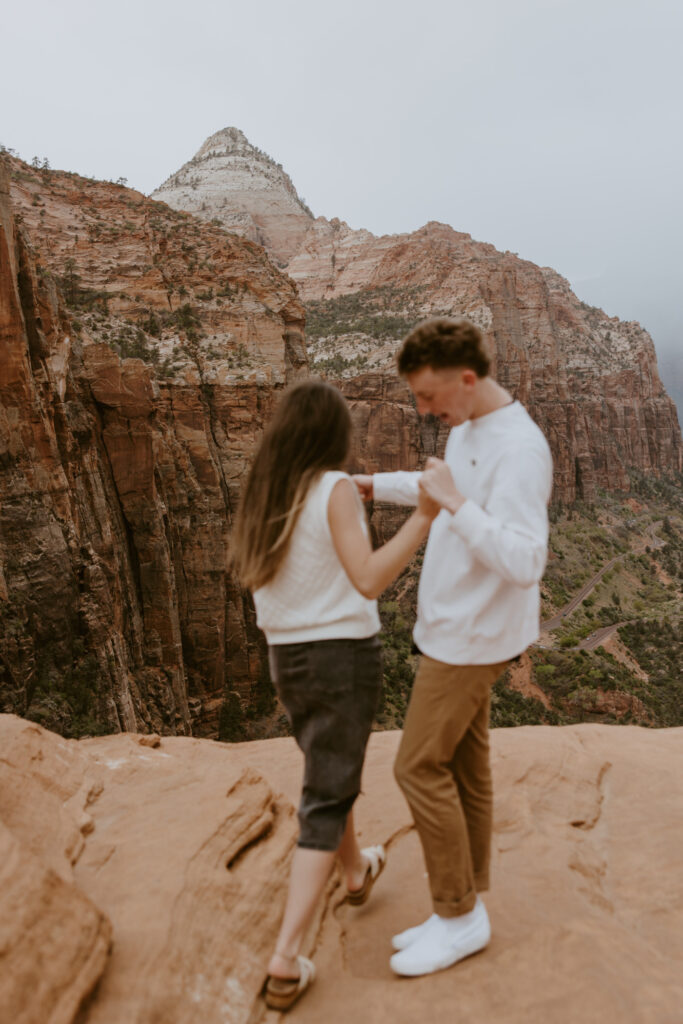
144, 350
265, 206
590, 380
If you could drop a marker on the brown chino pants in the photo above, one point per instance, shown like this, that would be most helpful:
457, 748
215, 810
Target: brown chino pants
443, 769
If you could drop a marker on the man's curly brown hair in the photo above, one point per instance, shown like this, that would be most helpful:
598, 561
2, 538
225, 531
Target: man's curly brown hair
442, 343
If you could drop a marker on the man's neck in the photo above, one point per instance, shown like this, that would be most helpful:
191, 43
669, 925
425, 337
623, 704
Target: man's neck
490, 397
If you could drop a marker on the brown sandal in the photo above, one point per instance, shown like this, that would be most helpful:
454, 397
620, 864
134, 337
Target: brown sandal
281, 993
376, 857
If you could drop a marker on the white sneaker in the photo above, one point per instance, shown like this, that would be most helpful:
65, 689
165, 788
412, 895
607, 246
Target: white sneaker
404, 939
443, 943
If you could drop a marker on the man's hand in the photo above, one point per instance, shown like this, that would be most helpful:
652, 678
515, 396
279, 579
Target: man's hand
364, 485
437, 482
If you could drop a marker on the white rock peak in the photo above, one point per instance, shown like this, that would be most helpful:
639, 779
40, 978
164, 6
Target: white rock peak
230, 181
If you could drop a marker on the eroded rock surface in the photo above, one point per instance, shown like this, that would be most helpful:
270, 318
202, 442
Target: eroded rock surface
120, 475
590, 381
586, 903
53, 941
263, 204
185, 848
142, 352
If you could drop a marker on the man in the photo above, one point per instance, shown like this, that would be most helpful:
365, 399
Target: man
478, 607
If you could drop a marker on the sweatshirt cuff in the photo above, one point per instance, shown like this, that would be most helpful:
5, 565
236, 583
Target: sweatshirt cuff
399, 487
468, 520
380, 486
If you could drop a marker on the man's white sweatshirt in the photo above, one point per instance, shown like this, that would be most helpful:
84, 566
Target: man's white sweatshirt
479, 597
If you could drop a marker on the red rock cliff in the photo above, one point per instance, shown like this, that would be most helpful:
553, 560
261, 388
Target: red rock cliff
591, 381
126, 426
119, 476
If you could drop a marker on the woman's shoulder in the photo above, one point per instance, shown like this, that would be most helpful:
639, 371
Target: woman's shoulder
332, 475
319, 493
327, 480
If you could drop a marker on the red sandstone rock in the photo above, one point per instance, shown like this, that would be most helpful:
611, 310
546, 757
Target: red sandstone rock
150, 741
122, 259
188, 849
119, 482
53, 942
120, 476
586, 893
185, 849
590, 381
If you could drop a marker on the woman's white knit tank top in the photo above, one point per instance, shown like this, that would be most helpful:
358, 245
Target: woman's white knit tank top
311, 597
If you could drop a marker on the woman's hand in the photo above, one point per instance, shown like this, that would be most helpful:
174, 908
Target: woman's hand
426, 505
364, 484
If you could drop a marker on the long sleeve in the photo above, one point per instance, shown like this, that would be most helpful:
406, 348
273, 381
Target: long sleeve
510, 536
479, 596
399, 488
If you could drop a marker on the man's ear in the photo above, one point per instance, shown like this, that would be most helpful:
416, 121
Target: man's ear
469, 377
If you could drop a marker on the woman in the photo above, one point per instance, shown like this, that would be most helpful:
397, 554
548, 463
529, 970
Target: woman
301, 544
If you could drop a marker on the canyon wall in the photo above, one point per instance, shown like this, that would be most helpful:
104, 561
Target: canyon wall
142, 351
590, 381
120, 475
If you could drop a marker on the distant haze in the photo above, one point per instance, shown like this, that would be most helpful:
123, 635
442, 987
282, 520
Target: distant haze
548, 127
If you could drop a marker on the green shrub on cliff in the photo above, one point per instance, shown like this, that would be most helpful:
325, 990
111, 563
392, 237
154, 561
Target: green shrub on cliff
510, 708
399, 665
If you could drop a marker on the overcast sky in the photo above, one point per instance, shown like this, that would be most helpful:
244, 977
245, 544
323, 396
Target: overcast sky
548, 127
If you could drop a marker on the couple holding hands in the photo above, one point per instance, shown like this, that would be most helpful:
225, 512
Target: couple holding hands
302, 545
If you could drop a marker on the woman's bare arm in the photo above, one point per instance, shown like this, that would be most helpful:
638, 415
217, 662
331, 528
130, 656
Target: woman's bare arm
372, 571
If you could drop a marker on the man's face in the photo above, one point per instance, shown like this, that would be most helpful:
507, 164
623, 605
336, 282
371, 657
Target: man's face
448, 393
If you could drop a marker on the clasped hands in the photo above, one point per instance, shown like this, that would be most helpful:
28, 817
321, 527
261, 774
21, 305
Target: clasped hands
437, 487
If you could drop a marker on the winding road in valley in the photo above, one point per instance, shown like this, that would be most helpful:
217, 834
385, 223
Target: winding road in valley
649, 540
596, 639
550, 624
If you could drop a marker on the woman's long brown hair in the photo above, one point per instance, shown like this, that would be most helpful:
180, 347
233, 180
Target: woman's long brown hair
309, 433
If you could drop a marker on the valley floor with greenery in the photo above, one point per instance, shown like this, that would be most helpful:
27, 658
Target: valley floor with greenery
617, 656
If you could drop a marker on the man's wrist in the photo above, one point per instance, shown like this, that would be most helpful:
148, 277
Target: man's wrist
454, 503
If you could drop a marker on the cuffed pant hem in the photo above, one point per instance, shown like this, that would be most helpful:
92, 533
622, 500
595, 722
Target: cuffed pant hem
455, 908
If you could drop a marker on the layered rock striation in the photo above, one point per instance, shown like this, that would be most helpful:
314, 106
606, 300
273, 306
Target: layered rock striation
591, 381
231, 182
179, 854
142, 352
120, 475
